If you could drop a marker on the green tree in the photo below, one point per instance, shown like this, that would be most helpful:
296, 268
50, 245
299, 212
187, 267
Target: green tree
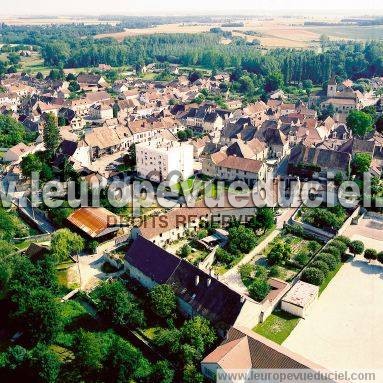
321, 265
126, 363
264, 219
162, 372
371, 110
45, 364
11, 131
182, 135
64, 244
73, 86
273, 81
359, 122
184, 251
370, 254
169, 339
51, 135
163, 300
279, 253
14, 58
307, 86
302, 258
30, 163
380, 257
88, 353
259, 289
59, 215
361, 163
313, 276
39, 314
241, 240
356, 247
329, 259
191, 374
199, 333
118, 306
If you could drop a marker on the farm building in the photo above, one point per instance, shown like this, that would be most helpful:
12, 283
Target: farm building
95, 222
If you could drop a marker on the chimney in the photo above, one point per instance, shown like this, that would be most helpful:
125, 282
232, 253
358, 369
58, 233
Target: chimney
243, 298
196, 280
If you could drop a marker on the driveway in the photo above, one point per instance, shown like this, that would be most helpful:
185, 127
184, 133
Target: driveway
345, 327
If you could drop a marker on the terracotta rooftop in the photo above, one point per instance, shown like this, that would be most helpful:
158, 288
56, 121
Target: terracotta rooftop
243, 348
93, 220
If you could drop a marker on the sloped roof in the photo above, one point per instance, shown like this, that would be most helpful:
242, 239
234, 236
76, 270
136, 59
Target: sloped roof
93, 220
242, 347
324, 158
102, 138
152, 260
207, 296
244, 164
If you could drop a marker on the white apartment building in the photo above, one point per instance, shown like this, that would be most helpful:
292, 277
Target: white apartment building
158, 159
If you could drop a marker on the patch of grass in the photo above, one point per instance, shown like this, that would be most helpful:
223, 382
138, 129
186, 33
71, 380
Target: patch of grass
150, 332
71, 310
329, 277
277, 327
62, 277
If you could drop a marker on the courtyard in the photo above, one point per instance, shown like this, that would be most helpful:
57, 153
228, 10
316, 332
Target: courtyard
344, 328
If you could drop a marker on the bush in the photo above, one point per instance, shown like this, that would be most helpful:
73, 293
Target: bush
92, 246
313, 246
313, 276
274, 272
224, 257
343, 239
329, 259
371, 254
294, 229
246, 272
339, 245
380, 257
279, 253
302, 258
259, 289
334, 251
184, 251
321, 265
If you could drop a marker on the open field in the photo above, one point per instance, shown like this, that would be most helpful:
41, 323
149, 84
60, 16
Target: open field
349, 32
280, 32
166, 28
51, 20
283, 32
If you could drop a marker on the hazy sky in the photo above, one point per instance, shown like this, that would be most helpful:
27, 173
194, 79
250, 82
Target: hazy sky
58, 7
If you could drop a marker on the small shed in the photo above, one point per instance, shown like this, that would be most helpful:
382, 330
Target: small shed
300, 298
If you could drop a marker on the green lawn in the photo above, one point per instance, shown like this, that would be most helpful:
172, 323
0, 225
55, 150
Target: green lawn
277, 327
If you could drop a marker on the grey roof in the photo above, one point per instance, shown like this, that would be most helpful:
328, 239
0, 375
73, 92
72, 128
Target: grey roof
206, 295
151, 260
324, 158
355, 145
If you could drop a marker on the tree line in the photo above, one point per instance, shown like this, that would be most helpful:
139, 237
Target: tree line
75, 46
